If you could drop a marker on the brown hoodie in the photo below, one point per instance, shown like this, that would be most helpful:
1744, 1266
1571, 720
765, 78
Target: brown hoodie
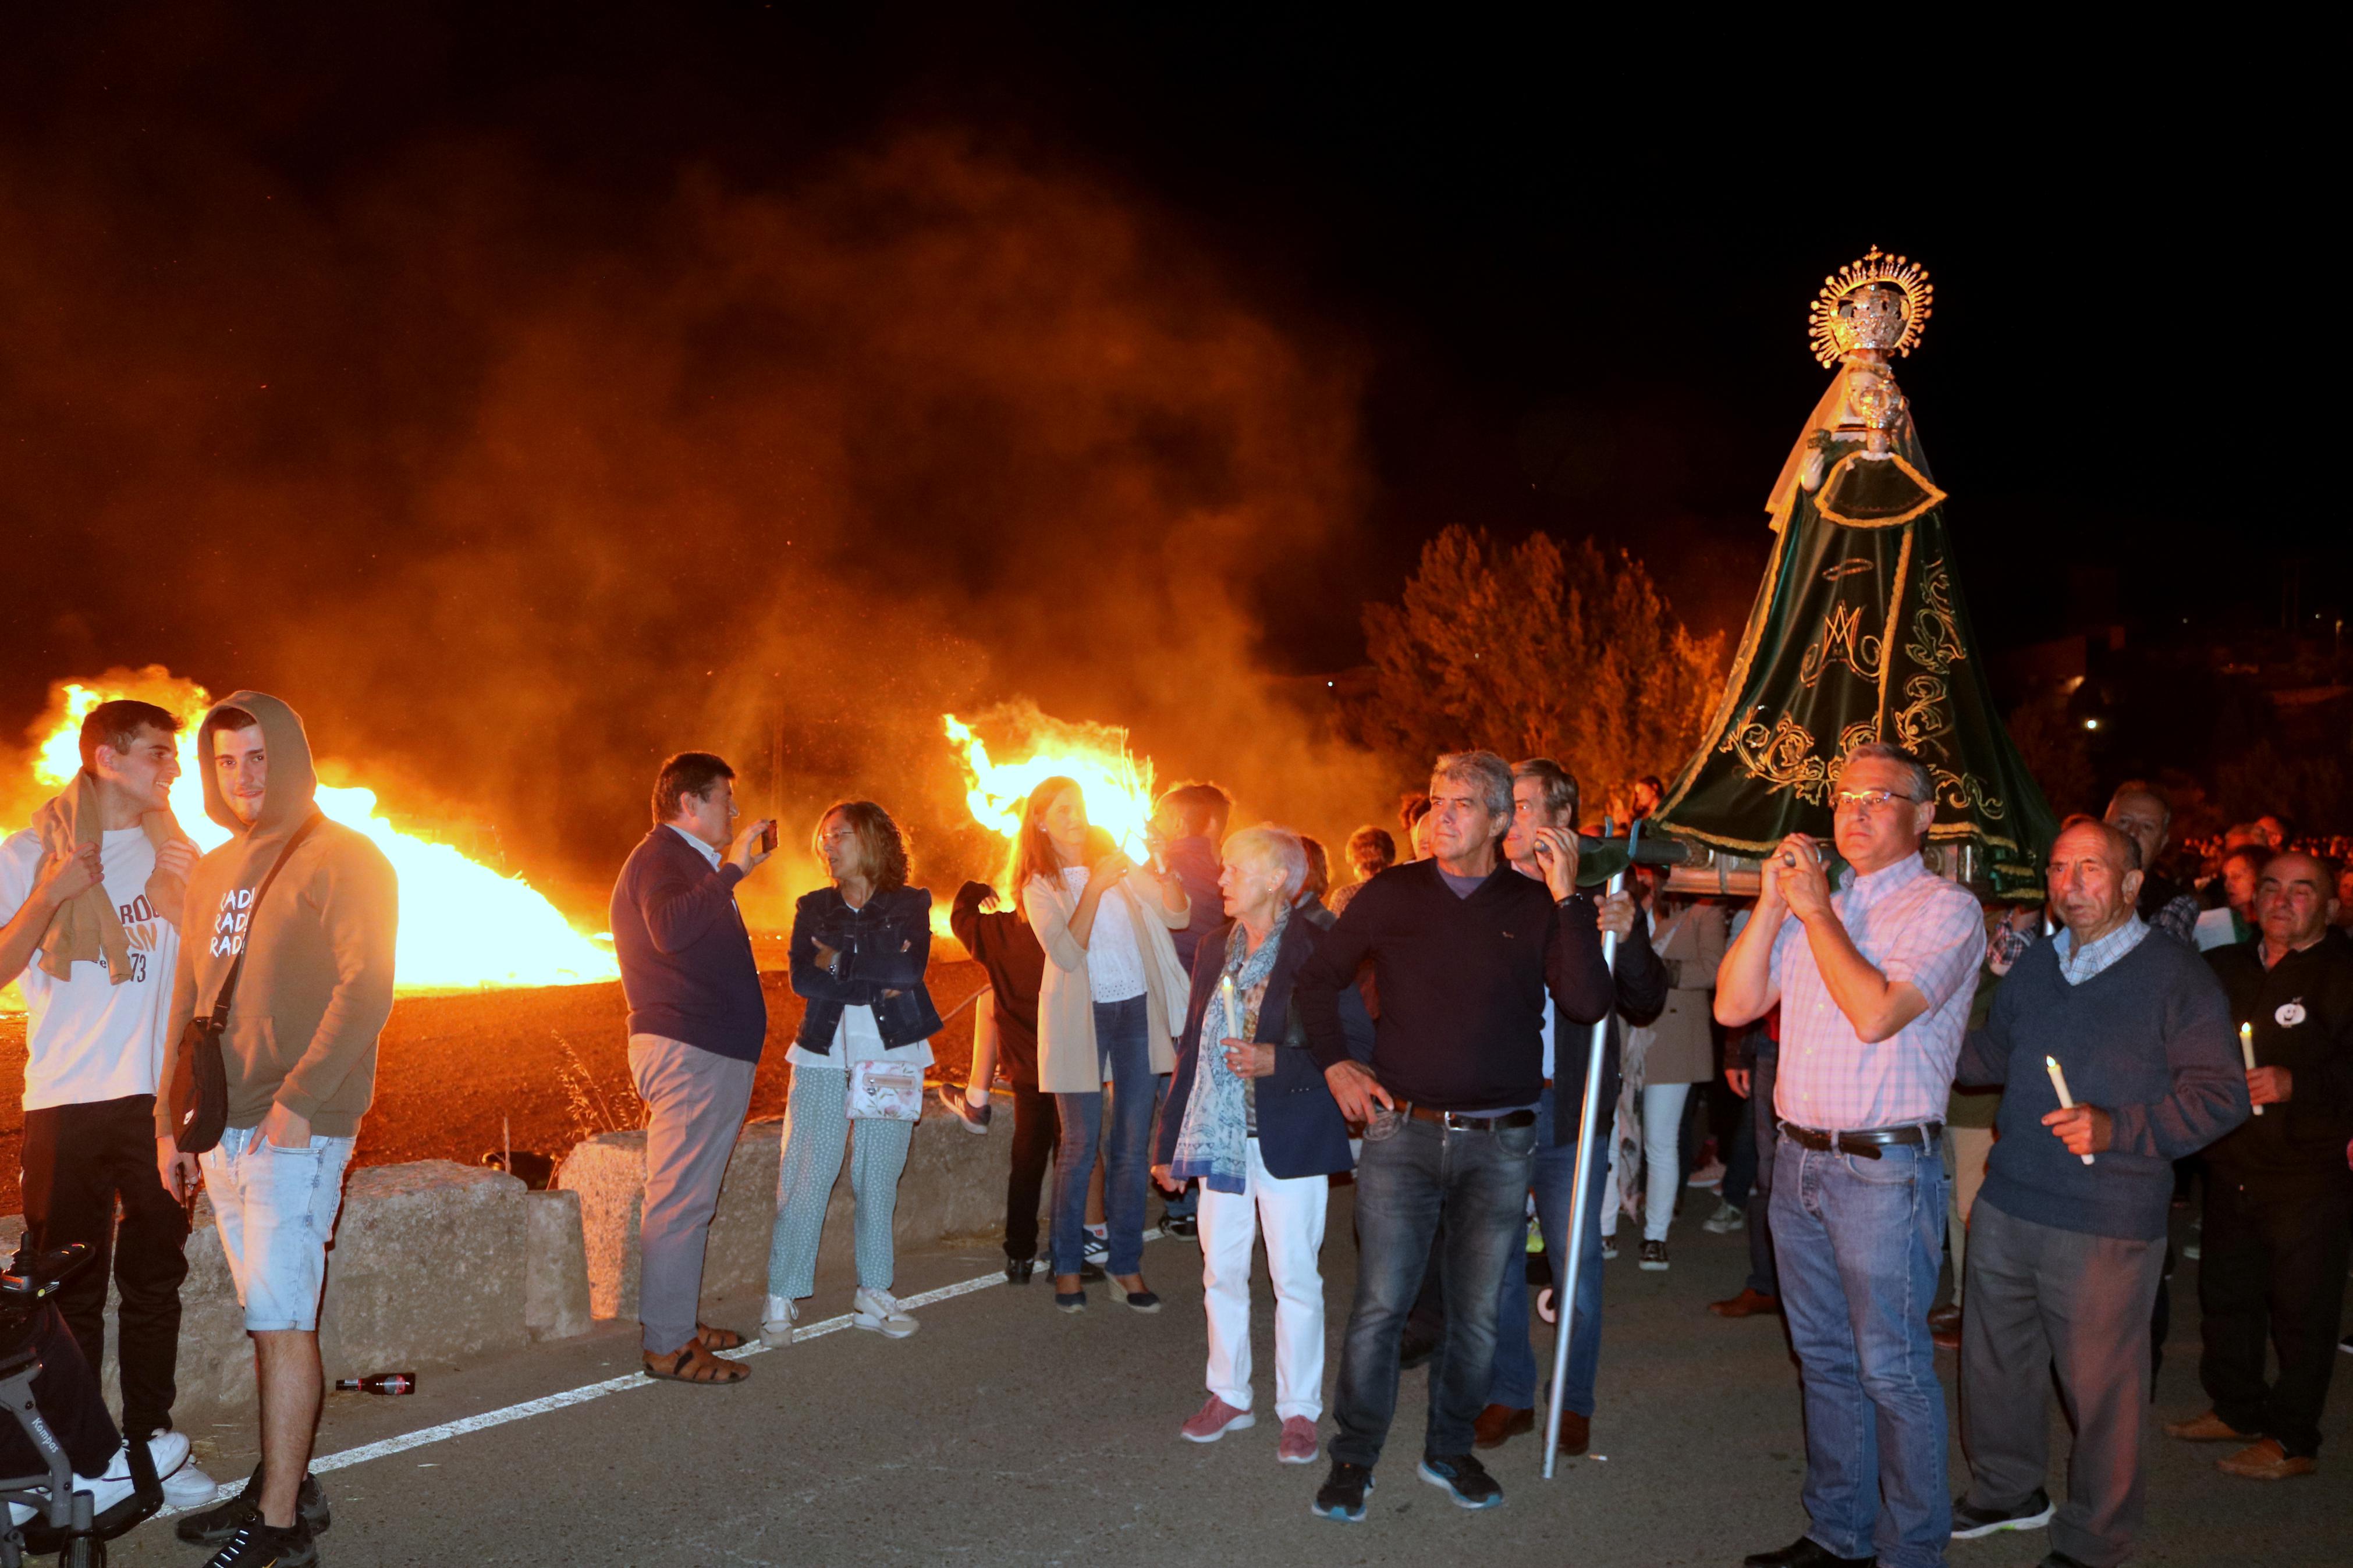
317, 984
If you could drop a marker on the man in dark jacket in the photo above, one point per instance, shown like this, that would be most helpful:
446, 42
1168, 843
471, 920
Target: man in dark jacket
2279, 1197
2067, 1235
697, 1021
1465, 950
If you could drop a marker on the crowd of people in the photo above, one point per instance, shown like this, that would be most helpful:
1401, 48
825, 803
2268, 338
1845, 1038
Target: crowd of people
1892, 1070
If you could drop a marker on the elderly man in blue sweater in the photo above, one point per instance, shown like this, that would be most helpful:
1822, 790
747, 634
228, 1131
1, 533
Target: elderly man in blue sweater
2068, 1235
697, 1020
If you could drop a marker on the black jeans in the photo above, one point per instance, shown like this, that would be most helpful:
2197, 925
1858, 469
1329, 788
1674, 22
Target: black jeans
1411, 1175
2273, 1268
1037, 1126
79, 1160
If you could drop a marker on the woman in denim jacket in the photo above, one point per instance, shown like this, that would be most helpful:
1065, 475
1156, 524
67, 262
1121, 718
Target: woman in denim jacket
859, 952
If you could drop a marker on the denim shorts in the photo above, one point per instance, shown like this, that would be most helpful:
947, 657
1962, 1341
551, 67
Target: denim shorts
275, 1209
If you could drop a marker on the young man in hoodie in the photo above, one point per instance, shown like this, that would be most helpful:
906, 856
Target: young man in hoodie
300, 1048
91, 898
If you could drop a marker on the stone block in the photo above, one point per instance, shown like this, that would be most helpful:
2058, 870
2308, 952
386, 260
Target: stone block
555, 1266
954, 1186
426, 1270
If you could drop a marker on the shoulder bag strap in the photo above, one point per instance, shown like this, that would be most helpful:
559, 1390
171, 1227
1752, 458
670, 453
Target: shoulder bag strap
236, 965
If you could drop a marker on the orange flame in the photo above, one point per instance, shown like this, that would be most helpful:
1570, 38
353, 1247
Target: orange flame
1117, 785
461, 924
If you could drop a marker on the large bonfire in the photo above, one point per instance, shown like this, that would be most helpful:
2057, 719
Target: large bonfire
462, 924
1117, 784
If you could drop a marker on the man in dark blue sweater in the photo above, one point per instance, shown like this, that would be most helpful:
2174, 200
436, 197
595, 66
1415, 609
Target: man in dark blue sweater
697, 1021
2067, 1238
1464, 950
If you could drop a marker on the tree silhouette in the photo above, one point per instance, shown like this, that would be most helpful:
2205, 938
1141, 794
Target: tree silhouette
1538, 649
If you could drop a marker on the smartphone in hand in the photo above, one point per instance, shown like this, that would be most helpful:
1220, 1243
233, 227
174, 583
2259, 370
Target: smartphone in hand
768, 837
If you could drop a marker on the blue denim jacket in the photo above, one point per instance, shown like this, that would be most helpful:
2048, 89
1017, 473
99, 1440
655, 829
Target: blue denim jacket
884, 948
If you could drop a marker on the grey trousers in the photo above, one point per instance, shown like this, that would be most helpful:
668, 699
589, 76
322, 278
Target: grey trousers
2042, 1299
695, 1101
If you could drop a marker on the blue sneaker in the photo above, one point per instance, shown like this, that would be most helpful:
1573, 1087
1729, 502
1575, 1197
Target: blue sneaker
1464, 1478
1342, 1495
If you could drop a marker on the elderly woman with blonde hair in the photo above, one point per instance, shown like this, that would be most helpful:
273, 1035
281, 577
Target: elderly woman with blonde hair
1250, 1115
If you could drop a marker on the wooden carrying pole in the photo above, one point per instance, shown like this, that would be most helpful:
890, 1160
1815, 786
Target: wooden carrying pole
1564, 1271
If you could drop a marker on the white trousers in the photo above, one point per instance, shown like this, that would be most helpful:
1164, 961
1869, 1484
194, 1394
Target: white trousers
1290, 1211
1662, 1120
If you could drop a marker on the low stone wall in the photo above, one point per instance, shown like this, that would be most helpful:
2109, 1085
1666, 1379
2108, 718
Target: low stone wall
954, 1186
434, 1265
438, 1265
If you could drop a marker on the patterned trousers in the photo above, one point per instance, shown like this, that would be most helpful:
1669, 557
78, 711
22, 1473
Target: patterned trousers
817, 1133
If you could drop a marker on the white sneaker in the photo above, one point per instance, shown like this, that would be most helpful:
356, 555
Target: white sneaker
189, 1487
1708, 1176
1725, 1220
109, 1488
776, 1322
880, 1310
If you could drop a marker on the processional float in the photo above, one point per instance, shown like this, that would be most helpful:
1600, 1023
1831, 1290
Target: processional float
1859, 634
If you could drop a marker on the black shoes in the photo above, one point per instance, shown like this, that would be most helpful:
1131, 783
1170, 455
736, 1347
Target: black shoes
2061, 1560
216, 1525
1806, 1552
1184, 1224
1342, 1495
1462, 1479
1017, 1270
1968, 1523
256, 1545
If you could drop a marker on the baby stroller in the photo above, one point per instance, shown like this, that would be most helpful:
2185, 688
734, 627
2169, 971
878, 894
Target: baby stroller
63, 1520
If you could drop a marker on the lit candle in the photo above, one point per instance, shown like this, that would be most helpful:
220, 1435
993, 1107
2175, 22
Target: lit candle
1234, 1009
2247, 1050
2059, 1082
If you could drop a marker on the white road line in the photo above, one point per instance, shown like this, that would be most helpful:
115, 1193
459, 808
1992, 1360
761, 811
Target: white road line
583, 1395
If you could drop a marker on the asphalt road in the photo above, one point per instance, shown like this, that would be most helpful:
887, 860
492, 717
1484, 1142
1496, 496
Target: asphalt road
1006, 1433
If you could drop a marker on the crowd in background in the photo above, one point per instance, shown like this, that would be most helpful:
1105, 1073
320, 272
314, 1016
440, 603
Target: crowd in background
1884, 1081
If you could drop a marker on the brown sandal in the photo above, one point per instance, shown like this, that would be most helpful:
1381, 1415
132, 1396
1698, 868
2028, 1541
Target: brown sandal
695, 1364
713, 1339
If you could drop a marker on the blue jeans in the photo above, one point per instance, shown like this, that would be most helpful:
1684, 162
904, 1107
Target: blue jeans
1410, 1176
1553, 1177
1125, 1056
1762, 1276
1859, 1242
275, 1211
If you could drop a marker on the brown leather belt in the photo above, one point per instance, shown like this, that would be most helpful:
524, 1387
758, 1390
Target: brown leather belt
1453, 1121
1868, 1141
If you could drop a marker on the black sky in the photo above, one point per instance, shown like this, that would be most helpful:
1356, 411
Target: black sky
1570, 272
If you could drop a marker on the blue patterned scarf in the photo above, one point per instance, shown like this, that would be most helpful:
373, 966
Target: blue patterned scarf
1212, 1142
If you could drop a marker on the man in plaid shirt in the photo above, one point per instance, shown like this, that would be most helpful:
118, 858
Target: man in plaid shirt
1875, 982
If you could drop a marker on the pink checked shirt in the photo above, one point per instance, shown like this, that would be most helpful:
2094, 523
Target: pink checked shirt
1912, 925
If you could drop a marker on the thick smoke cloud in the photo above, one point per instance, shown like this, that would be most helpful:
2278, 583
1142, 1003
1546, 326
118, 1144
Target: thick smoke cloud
512, 500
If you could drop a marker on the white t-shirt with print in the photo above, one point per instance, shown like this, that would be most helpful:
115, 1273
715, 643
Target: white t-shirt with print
91, 1039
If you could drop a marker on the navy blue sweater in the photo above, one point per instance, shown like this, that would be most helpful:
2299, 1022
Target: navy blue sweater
2148, 1040
686, 958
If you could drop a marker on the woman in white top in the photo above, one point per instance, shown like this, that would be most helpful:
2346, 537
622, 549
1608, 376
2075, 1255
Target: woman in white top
1107, 1015
859, 952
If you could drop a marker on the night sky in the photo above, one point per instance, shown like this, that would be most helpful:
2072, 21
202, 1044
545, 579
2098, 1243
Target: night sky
263, 274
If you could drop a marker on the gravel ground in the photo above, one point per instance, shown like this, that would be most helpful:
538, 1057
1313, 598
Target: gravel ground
553, 1060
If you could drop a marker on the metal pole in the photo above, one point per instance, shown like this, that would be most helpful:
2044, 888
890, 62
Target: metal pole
1564, 1272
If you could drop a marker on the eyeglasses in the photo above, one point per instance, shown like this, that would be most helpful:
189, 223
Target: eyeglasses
1867, 801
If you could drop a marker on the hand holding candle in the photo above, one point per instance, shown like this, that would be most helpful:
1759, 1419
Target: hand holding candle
2247, 1051
2059, 1082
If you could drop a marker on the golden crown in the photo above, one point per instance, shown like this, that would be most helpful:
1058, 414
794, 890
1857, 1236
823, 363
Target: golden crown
1878, 302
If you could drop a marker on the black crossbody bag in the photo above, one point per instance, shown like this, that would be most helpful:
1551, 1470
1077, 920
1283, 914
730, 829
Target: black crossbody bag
200, 1071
